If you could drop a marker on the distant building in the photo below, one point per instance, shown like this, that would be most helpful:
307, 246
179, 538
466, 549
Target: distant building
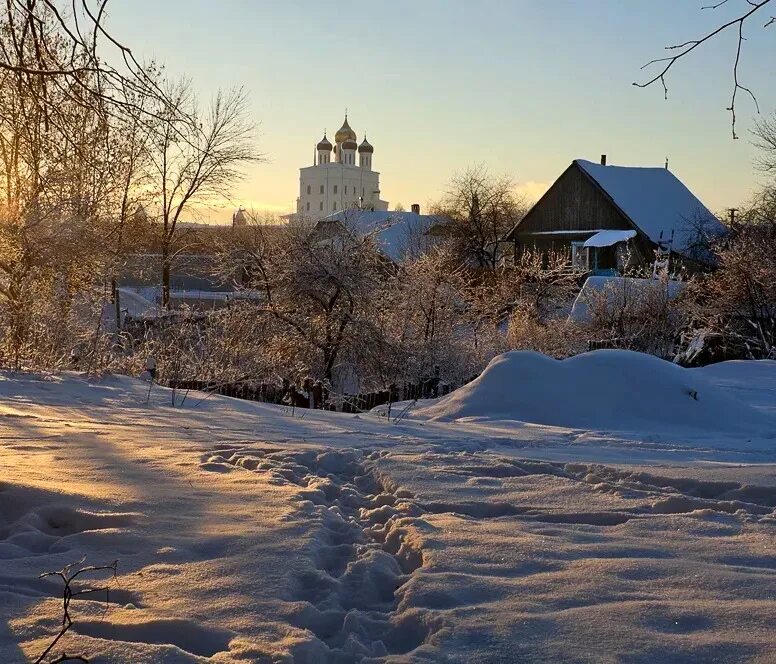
335, 183
609, 218
397, 235
240, 218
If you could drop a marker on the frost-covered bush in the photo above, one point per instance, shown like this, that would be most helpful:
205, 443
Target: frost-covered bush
733, 309
557, 338
644, 315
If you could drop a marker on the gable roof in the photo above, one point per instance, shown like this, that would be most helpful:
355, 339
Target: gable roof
392, 230
654, 200
650, 200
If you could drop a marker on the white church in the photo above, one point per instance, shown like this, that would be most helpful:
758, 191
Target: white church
332, 185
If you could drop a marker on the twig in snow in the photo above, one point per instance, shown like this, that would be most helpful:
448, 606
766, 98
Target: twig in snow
68, 574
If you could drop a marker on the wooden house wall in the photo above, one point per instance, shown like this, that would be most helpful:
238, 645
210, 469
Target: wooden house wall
573, 203
641, 248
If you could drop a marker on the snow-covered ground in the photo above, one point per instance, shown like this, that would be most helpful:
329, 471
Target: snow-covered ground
505, 522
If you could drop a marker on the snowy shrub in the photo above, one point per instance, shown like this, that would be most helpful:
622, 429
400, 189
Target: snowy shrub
557, 338
733, 309
645, 315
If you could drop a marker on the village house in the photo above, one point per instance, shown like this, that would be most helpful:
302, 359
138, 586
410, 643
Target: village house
397, 234
613, 218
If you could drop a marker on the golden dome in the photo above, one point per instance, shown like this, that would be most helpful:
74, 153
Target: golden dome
344, 133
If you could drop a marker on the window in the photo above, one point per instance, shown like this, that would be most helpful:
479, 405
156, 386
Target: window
335, 188
321, 188
362, 192
308, 189
579, 255
334, 207
321, 206
308, 204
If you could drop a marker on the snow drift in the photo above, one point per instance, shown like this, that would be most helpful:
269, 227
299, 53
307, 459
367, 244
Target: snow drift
605, 389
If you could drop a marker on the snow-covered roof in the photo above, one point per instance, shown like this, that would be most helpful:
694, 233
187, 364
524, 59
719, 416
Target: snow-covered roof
392, 230
655, 201
608, 238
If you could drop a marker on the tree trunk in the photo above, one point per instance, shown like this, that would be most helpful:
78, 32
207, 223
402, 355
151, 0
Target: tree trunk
166, 276
329, 356
117, 304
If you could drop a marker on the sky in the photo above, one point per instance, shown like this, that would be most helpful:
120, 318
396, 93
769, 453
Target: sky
521, 87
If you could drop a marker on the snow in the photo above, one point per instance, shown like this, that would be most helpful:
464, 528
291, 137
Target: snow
392, 230
656, 201
608, 238
746, 380
604, 389
246, 533
618, 290
216, 295
137, 306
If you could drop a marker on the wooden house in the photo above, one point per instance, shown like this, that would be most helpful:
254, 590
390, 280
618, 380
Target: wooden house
611, 218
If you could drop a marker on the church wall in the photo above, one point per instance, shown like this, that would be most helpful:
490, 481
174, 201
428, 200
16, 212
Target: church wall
334, 187
336, 182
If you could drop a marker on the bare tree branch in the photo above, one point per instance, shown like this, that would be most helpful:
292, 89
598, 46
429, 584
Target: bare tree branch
687, 47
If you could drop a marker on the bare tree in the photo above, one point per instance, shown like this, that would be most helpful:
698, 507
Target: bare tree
540, 285
66, 44
318, 285
765, 141
481, 208
752, 10
54, 184
129, 152
197, 158
428, 327
644, 315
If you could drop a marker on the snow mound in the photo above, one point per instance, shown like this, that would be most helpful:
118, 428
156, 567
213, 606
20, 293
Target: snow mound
753, 381
605, 389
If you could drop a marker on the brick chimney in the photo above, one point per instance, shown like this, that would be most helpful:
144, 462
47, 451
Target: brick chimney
415, 207
603, 160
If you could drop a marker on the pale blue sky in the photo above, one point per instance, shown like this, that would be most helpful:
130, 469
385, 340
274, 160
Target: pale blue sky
523, 87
